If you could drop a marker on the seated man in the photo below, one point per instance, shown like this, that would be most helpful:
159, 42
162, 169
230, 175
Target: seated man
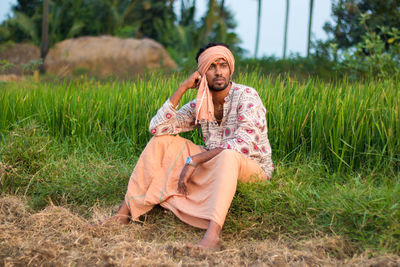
198, 184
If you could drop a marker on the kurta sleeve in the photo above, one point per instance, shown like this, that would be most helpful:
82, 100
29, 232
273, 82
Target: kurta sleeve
168, 120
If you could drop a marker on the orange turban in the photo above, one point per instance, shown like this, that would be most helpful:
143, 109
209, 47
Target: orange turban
204, 102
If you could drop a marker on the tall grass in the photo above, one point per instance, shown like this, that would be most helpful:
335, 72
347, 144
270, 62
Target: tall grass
348, 125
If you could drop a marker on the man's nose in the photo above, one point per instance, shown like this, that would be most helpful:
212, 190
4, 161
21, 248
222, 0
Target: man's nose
218, 69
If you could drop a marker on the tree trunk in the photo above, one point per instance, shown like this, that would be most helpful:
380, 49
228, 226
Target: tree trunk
309, 27
337, 29
171, 4
45, 34
209, 20
286, 29
258, 28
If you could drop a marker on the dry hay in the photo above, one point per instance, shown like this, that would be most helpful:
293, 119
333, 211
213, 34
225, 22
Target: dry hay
18, 55
57, 237
107, 55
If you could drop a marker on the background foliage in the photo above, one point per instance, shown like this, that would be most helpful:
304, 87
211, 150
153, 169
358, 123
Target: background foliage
363, 35
346, 30
124, 18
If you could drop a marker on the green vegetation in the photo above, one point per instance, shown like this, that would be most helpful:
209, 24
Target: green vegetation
374, 56
335, 147
363, 37
181, 34
348, 125
345, 29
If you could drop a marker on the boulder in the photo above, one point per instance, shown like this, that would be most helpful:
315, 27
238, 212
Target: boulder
10, 78
18, 56
106, 55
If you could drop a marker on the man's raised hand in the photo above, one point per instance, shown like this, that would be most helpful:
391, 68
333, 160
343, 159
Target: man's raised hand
193, 81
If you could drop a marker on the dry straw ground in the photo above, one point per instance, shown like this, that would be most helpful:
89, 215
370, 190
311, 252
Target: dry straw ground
56, 236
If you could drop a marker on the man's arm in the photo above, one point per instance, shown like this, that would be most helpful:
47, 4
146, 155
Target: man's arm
206, 155
188, 170
168, 120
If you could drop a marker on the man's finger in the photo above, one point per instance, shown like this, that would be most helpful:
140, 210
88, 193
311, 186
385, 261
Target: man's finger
182, 190
185, 190
181, 187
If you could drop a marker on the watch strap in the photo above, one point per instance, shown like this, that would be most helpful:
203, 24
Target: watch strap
189, 161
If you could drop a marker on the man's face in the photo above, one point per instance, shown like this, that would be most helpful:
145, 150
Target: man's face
218, 75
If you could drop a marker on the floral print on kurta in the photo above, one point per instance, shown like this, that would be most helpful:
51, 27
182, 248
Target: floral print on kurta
243, 127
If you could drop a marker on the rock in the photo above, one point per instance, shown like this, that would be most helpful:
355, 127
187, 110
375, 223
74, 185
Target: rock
18, 55
106, 55
10, 78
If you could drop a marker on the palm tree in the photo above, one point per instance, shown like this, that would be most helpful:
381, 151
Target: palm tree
214, 23
222, 8
309, 27
120, 10
337, 29
286, 29
45, 33
25, 24
209, 19
258, 28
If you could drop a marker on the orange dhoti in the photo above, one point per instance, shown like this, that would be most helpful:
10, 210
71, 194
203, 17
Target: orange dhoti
210, 189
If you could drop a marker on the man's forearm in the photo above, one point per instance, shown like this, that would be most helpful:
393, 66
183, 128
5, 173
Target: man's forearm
190, 82
176, 97
206, 156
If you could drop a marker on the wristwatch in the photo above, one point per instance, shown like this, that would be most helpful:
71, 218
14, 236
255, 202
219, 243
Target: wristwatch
189, 161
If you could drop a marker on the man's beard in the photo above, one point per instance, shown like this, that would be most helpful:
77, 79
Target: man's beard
217, 89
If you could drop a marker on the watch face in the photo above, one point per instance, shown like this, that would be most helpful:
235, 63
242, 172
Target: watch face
188, 160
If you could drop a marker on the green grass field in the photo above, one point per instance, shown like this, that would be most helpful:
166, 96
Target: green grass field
335, 146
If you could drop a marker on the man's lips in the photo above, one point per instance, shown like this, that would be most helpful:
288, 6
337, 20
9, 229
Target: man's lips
219, 80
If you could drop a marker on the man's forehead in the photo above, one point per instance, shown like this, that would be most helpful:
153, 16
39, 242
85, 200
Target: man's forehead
219, 61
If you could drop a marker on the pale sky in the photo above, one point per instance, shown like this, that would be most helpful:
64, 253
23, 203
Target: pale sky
272, 23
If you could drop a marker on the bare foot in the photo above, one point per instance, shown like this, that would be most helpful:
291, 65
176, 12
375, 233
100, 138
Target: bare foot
206, 244
210, 240
202, 248
118, 219
122, 217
